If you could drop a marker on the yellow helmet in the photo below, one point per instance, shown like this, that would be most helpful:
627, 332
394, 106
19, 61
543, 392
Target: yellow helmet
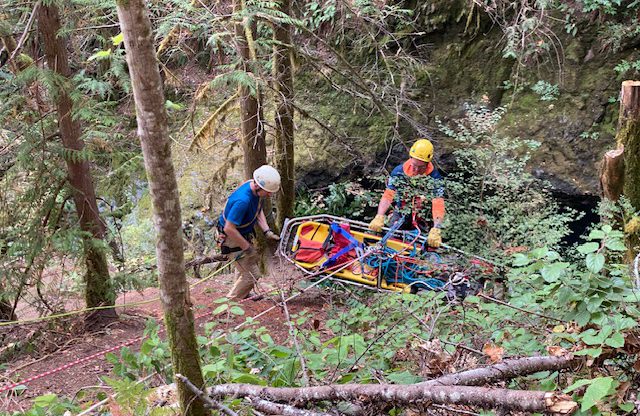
422, 150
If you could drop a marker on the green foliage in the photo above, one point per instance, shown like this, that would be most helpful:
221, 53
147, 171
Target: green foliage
594, 282
628, 67
319, 12
48, 405
607, 6
153, 356
347, 199
493, 202
131, 398
546, 91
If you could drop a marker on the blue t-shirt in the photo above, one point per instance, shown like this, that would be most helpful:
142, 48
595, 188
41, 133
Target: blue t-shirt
241, 209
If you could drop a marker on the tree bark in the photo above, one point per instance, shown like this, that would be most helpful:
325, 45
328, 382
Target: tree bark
151, 118
17, 62
9, 44
629, 136
283, 75
272, 408
612, 174
516, 400
6, 309
253, 132
505, 370
99, 291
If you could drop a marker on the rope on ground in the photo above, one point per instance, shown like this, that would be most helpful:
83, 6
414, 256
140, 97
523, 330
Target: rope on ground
96, 355
68, 365
131, 341
316, 283
97, 308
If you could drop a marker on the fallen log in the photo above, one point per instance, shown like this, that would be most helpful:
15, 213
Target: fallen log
505, 370
484, 397
208, 402
272, 408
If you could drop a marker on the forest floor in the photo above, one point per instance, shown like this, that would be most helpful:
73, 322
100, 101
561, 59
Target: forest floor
62, 342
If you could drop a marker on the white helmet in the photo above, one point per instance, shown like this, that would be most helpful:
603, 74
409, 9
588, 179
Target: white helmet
267, 178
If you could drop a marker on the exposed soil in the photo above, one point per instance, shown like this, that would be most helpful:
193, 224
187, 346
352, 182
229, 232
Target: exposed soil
58, 343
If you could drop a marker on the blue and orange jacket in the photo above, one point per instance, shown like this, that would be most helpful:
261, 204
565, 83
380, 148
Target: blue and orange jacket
406, 170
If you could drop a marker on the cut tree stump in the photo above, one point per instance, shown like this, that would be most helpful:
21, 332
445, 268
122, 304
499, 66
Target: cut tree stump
612, 174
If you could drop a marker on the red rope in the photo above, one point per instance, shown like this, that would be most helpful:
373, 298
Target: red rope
68, 365
80, 361
101, 353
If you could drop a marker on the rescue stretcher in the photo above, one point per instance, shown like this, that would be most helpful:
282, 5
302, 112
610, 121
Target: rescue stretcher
398, 261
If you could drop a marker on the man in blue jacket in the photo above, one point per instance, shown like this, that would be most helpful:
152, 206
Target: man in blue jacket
241, 213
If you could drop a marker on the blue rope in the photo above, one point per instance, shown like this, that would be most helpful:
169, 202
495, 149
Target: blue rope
394, 271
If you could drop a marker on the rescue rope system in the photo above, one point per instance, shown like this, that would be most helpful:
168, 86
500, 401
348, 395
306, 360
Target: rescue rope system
399, 260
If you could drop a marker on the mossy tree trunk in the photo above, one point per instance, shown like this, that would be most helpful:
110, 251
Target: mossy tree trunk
283, 75
156, 148
254, 145
8, 43
629, 137
6, 309
253, 132
99, 291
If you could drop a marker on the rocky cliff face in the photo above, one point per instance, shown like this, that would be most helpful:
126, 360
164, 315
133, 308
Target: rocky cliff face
565, 98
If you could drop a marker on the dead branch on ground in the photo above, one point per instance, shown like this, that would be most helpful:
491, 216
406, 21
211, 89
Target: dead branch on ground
281, 409
514, 400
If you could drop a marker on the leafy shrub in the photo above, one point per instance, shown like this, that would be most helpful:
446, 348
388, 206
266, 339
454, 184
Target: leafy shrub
628, 67
344, 199
493, 202
153, 357
546, 91
48, 405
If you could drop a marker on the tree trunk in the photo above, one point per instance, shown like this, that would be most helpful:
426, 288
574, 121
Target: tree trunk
156, 148
283, 75
629, 136
99, 291
612, 174
253, 132
9, 44
6, 309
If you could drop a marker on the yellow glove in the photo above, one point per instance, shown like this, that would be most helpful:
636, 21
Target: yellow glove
377, 223
434, 239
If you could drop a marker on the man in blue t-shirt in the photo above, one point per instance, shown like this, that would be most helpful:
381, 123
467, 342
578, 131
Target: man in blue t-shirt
236, 225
